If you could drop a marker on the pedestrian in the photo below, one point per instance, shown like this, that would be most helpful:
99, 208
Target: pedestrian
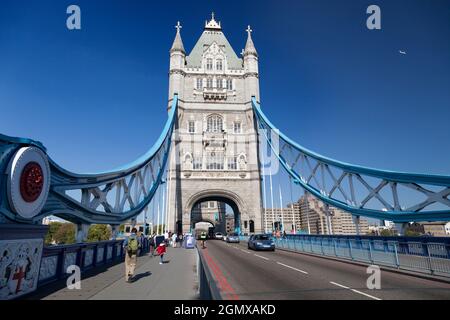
152, 245
161, 250
131, 246
166, 237
203, 238
141, 243
174, 240
180, 240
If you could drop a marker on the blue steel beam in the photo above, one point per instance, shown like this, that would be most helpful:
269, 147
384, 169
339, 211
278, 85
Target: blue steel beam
390, 207
131, 186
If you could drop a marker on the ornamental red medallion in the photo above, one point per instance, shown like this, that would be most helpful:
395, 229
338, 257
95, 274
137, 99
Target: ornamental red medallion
31, 182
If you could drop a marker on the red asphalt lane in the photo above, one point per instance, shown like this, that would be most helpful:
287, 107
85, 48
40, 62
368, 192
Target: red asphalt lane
222, 281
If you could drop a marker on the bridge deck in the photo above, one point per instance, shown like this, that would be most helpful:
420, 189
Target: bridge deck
246, 274
176, 279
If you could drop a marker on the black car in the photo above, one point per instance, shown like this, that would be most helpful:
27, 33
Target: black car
261, 242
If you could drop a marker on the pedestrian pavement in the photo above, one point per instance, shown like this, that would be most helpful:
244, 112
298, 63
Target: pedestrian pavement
175, 279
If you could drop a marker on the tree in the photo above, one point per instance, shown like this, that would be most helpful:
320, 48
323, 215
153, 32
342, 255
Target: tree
53, 228
387, 233
65, 234
411, 233
98, 232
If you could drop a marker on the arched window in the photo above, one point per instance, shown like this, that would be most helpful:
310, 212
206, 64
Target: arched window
252, 226
209, 83
214, 123
229, 84
214, 161
199, 83
219, 83
209, 64
219, 64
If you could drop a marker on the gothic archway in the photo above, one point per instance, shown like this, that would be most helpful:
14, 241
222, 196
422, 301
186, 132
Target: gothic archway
220, 196
252, 226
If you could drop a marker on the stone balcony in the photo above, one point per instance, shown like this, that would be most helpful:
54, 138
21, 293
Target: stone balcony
214, 94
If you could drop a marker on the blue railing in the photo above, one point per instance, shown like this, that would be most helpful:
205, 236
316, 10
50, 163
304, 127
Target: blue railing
430, 255
56, 259
413, 255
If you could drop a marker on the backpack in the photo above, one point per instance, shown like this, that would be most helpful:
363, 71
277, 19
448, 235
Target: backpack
133, 245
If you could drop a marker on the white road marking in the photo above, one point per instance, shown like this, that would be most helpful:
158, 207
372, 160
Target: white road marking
339, 285
365, 294
354, 290
285, 265
261, 257
245, 251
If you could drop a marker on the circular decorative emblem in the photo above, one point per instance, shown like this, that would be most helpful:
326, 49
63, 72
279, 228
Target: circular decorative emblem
28, 181
31, 182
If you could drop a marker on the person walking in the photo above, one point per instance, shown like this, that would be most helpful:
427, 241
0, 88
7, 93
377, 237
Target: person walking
161, 250
166, 237
174, 240
203, 239
131, 246
180, 240
151, 243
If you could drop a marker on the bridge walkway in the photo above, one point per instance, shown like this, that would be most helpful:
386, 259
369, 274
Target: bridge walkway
175, 279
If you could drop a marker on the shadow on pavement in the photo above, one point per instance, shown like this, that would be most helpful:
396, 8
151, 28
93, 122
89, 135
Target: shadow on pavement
141, 275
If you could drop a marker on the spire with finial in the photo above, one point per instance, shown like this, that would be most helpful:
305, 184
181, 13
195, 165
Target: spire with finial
213, 24
178, 43
249, 46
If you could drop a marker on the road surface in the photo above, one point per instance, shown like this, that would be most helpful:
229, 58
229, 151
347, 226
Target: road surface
246, 274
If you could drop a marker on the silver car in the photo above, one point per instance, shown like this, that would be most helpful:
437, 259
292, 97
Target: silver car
233, 238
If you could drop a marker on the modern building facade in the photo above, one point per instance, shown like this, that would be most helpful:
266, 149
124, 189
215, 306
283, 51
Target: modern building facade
313, 218
229, 220
287, 219
214, 150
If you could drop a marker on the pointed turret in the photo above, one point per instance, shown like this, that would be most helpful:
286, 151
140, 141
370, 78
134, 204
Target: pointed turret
250, 46
177, 42
177, 63
251, 74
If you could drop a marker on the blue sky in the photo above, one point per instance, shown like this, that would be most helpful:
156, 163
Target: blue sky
96, 98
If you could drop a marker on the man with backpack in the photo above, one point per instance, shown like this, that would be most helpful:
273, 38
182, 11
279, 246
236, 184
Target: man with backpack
131, 246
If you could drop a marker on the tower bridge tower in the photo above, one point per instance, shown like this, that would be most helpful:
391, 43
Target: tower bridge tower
215, 152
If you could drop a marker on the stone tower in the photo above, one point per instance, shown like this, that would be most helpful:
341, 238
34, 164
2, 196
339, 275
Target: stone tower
214, 153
